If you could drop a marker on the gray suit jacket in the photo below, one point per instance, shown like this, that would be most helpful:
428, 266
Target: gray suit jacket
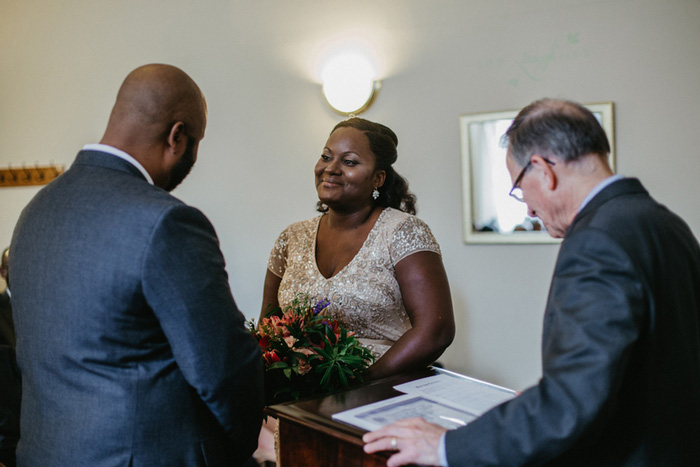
132, 350
620, 349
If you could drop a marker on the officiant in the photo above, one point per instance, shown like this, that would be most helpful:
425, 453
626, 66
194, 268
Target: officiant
621, 338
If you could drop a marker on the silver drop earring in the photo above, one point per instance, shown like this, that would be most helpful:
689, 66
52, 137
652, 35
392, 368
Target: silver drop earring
375, 193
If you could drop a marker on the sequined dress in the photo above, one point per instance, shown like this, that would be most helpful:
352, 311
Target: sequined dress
365, 295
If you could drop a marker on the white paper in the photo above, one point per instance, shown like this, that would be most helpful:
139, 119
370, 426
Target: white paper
378, 414
471, 394
447, 399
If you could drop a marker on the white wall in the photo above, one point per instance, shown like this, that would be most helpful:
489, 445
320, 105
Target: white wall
61, 64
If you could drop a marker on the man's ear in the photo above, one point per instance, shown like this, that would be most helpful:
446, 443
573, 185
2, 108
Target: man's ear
177, 139
546, 171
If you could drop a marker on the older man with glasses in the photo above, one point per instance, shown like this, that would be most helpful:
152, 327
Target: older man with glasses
621, 339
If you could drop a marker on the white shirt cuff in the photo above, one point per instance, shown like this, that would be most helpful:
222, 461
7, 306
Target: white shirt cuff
442, 454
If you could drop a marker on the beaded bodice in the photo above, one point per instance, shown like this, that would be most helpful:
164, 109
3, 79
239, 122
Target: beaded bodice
365, 295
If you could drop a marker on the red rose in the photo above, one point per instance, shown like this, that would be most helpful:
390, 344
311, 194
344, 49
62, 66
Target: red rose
271, 357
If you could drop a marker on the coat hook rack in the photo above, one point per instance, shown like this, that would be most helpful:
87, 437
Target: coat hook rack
29, 175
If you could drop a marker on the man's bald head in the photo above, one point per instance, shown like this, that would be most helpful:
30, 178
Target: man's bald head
152, 98
158, 107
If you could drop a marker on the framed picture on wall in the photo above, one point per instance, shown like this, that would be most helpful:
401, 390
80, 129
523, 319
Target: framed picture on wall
489, 214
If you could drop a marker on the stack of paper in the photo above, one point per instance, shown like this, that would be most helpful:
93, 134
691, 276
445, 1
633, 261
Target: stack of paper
448, 399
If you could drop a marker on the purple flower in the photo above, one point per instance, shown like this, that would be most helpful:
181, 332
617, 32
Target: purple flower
321, 305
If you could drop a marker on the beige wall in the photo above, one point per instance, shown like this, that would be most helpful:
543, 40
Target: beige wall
62, 62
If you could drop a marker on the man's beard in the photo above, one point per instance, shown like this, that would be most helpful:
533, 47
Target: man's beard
183, 166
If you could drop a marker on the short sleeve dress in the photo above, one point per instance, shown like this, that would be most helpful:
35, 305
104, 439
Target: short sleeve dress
365, 295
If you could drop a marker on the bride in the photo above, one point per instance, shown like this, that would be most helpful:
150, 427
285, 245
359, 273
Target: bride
367, 253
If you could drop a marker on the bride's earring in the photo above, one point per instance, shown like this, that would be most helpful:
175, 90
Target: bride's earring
375, 193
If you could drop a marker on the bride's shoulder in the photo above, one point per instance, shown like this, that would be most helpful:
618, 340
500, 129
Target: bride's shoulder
307, 225
395, 219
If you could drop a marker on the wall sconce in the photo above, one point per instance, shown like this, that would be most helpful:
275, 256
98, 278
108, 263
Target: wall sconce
349, 84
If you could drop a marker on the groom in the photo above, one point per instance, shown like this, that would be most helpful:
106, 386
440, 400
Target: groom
131, 347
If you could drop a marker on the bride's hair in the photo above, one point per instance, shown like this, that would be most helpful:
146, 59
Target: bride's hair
382, 142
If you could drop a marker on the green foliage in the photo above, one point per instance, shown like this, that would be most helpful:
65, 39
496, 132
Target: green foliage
307, 353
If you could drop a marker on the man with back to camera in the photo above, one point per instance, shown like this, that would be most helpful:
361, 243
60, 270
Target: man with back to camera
131, 347
621, 336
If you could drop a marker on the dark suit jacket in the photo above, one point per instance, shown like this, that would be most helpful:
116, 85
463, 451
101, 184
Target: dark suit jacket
132, 350
620, 349
10, 396
7, 326
10, 384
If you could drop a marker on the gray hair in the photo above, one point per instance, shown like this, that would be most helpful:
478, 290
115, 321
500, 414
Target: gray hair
552, 127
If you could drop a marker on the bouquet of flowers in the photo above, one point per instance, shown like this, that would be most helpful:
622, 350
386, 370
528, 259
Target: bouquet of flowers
307, 353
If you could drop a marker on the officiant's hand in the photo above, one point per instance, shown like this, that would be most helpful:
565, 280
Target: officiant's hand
416, 441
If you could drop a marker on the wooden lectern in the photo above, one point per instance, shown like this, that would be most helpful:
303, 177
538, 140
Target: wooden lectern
309, 437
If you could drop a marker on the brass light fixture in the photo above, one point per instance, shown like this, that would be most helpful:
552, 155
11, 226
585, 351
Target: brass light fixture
349, 83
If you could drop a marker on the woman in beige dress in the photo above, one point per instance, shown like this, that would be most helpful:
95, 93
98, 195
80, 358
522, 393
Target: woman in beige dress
367, 253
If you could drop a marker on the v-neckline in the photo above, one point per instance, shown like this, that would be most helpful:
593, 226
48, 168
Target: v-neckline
364, 243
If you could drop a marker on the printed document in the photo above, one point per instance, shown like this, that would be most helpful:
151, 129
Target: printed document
447, 399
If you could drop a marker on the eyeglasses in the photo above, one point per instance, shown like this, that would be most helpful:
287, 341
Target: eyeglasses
517, 192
